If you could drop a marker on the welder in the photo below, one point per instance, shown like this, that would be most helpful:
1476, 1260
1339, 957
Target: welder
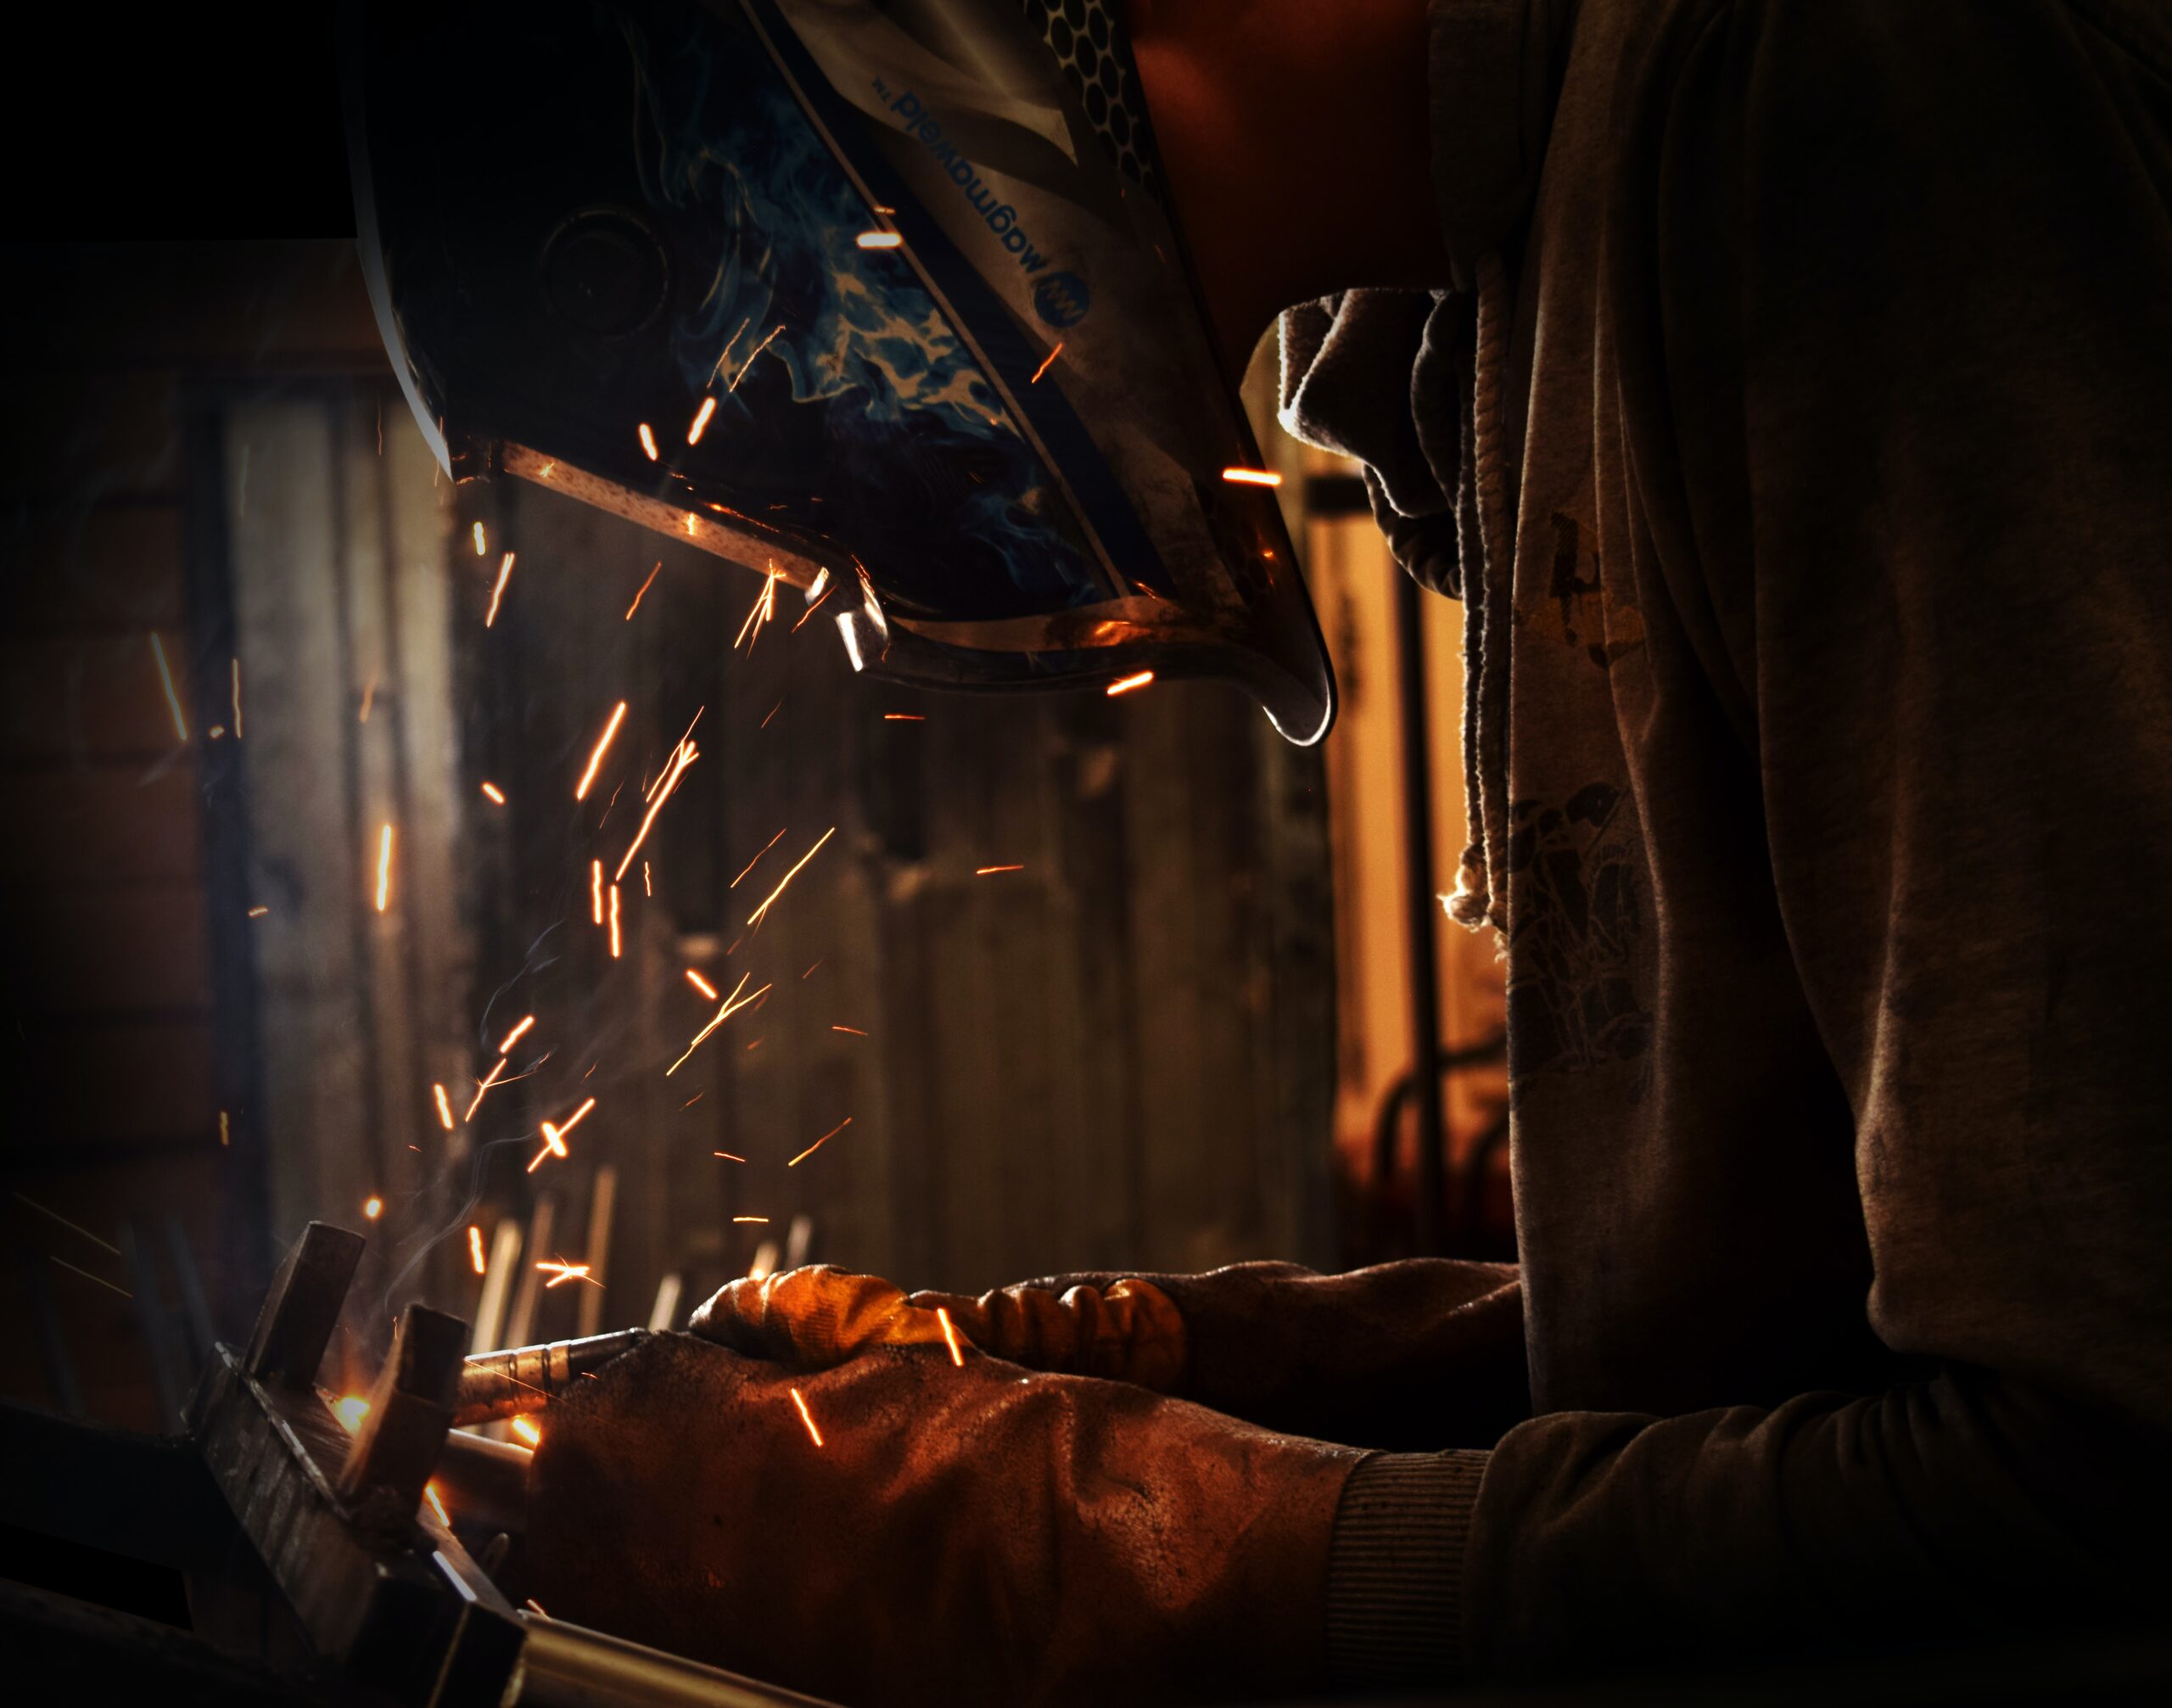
1782, 389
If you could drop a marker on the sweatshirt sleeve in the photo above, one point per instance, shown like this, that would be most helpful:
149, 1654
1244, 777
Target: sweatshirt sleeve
1893, 286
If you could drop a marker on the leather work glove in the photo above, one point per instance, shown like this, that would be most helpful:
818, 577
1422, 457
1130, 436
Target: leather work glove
959, 1534
1421, 1354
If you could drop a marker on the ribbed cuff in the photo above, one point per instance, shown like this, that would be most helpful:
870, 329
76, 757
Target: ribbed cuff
1395, 1569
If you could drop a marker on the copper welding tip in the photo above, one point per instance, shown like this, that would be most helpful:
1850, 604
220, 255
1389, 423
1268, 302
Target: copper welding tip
526, 1379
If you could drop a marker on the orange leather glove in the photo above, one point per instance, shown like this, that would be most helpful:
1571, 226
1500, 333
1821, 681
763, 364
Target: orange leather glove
959, 1534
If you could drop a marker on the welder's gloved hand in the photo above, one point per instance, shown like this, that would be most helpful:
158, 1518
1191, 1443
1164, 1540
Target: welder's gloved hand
1119, 1328
961, 1534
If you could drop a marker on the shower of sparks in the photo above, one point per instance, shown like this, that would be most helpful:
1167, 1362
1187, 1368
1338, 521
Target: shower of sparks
951, 1336
637, 605
481, 550
990, 871
806, 1417
764, 607
749, 362
731, 1005
904, 718
520, 1031
567, 1271
854, 1030
878, 240
258, 912
755, 917
602, 746
1049, 362
820, 1142
437, 1506
373, 1208
1126, 684
648, 442
482, 1088
236, 663
701, 421
498, 592
383, 868
727, 1155
165, 680
444, 1107
701, 984
616, 945
686, 754
596, 890
1251, 476
491, 792
527, 1431
475, 1248
369, 699
757, 860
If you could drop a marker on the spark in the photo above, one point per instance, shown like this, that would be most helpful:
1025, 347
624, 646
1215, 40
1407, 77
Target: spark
692, 1102
437, 1506
258, 912
647, 888
568, 1272
854, 1030
237, 697
806, 1417
373, 1208
727, 1155
701, 421
749, 362
637, 605
615, 943
755, 918
820, 1142
878, 240
1046, 365
990, 871
492, 793
444, 1107
571, 1121
757, 860
815, 604
483, 1087
602, 746
1125, 685
520, 1031
648, 442
369, 699
809, 973
769, 714
165, 680
686, 755
554, 1137
71, 1227
1251, 476
731, 1006
649, 793
538, 1606
88, 1276
751, 1218
481, 550
526, 1430
225, 1128
852, 641
820, 584
498, 592
596, 890
383, 868
475, 1247
904, 718
764, 607
950, 1334
701, 984
726, 350
351, 1412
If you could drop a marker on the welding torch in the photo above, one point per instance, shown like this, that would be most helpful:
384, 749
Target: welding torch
526, 1379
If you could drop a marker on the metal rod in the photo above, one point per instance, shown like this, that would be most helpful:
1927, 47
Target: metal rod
1420, 902
526, 1379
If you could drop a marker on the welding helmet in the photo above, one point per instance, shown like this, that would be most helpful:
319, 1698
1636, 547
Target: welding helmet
885, 297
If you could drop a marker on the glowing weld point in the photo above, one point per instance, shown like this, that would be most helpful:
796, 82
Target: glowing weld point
806, 1417
820, 1142
648, 441
444, 1107
498, 592
513, 1036
165, 680
492, 793
373, 1208
526, 1430
701, 421
602, 746
481, 550
637, 605
950, 1334
1047, 363
383, 868
1251, 476
700, 985
1126, 684
878, 240
437, 1506
351, 1412
475, 1247
990, 871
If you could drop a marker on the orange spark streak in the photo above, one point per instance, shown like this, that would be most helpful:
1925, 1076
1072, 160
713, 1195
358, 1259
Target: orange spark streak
1251, 476
444, 1107
258, 912
749, 362
237, 675
731, 1007
686, 754
950, 1334
878, 240
820, 1142
165, 680
755, 918
373, 1208
437, 1506
809, 973
764, 607
1125, 685
513, 1036
854, 1030
383, 868
526, 1430
750, 1219
573, 1121
806, 1417
493, 793
637, 605
498, 592
990, 871
602, 746
369, 699
904, 718
481, 550
475, 1247
647, 888
818, 600
648, 441
727, 1155
1047, 364
756, 861
596, 890
483, 1087
701, 421
615, 943
701, 984
568, 1272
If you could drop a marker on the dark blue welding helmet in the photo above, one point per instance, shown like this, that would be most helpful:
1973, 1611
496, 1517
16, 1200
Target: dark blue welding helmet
885, 297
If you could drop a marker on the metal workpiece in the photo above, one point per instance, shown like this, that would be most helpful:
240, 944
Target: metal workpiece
570, 1667
526, 1379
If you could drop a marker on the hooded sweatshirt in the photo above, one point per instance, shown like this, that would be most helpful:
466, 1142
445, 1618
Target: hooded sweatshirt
1796, 439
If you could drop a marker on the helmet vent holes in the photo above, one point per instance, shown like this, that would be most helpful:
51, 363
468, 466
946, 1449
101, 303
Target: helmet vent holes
1083, 36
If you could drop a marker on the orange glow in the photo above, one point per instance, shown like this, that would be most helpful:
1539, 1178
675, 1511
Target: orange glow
990, 871
950, 1334
726, 1155
498, 592
165, 680
258, 912
878, 240
751, 1218
481, 550
444, 1107
806, 1418
701, 984
820, 1142
854, 1030
648, 442
596, 890
756, 861
437, 1506
1046, 364
493, 793
616, 945
1251, 476
637, 605
602, 746
373, 1208
686, 755
475, 1247
526, 1430
1126, 684
513, 1036
383, 868
701, 421
755, 917
483, 1086
351, 1412
904, 718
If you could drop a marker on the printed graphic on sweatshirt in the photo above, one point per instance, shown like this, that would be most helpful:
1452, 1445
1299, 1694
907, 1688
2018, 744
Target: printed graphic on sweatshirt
1578, 607
1575, 947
